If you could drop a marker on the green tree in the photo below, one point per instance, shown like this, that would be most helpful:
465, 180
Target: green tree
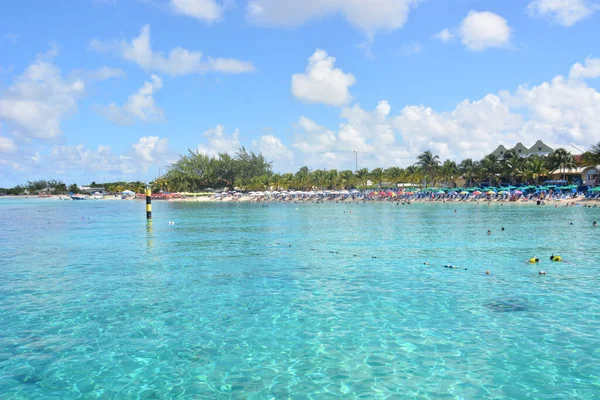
468, 168
561, 160
331, 179
429, 164
346, 179
535, 168
413, 174
450, 172
592, 156
377, 175
73, 188
318, 178
395, 175
491, 167
302, 178
512, 165
362, 175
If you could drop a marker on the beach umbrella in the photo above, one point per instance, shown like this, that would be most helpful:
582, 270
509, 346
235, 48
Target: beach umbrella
441, 192
477, 192
464, 192
517, 192
490, 192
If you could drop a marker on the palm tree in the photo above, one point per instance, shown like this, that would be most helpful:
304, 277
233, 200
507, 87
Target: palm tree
394, 174
276, 181
287, 180
592, 157
362, 175
512, 164
562, 160
535, 167
429, 164
377, 175
467, 169
331, 179
413, 174
450, 172
491, 167
318, 177
302, 178
346, 178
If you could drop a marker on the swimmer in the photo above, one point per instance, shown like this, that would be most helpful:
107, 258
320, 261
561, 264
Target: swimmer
555, 258
489, 232
594, 223
487, 272
502, 229
533, 260
542, 272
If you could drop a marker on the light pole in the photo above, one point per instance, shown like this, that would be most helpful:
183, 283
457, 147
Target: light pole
356, 155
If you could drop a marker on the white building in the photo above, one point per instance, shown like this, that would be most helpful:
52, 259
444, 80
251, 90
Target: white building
540, 148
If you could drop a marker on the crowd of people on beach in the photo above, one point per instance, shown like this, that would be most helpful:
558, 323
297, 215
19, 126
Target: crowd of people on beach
539, 196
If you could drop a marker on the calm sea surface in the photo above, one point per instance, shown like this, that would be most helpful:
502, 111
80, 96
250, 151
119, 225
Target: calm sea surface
242, 301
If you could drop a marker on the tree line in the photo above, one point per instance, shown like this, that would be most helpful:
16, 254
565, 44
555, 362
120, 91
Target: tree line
197, 172
58, 187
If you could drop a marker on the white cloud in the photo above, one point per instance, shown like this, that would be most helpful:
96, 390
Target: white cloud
152, 150
203, 10
411, 49
140, 105
104, 73
562, 111
563, 12
322, 82
78, 159
72, 162
444, 35
219, 142
314, 138
7, 145
369, 16
180, 61
275, 151
482, 30
591, 69
38, 100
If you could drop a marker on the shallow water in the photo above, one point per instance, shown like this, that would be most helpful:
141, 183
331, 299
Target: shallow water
94, 303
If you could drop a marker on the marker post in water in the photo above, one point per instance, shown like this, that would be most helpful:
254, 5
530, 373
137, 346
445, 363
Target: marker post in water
148, 203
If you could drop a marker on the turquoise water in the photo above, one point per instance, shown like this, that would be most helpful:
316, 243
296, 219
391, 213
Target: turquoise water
93, 303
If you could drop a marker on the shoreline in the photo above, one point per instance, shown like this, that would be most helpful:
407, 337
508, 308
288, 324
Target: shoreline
249, 199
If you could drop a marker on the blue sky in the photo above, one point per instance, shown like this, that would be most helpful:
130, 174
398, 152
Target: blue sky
107, 89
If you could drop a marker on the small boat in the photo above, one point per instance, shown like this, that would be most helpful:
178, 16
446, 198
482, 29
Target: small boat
78, 197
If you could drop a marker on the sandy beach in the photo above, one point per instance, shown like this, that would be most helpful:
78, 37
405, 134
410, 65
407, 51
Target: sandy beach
340, 199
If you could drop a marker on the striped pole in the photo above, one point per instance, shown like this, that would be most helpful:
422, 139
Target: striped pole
148, 203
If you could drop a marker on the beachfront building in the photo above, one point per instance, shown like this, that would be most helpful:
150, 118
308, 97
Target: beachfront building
539, 148
588, 176
92, 190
